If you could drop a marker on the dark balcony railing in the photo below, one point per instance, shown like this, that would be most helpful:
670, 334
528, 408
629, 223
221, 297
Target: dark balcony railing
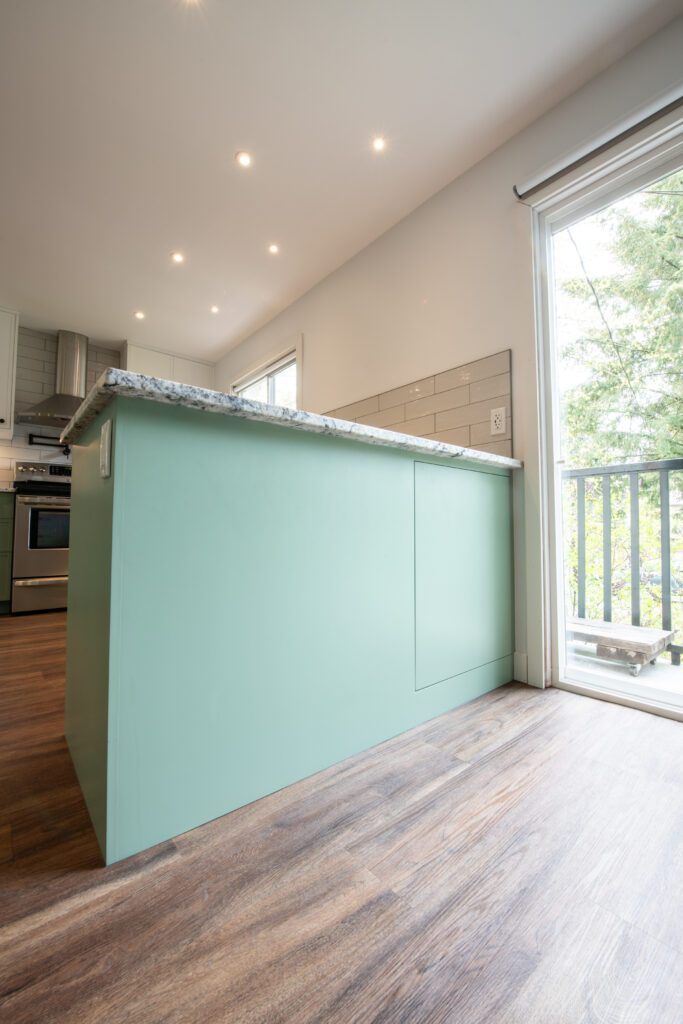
633, 471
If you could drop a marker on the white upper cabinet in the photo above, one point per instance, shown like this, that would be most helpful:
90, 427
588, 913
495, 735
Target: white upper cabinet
9, 325
160, 364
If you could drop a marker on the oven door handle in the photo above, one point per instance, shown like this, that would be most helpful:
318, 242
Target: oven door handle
45, 503
42, 581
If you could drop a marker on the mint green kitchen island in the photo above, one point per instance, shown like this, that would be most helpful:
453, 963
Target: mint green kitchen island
256, 594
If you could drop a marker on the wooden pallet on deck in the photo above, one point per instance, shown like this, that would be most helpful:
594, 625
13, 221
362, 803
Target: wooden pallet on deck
634, 645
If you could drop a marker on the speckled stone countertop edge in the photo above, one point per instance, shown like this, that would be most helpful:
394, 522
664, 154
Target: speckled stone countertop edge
115, 382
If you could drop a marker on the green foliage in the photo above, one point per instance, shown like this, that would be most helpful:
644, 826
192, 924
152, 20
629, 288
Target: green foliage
632, 405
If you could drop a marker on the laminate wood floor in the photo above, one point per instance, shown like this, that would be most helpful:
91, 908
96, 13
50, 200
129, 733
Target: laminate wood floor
517, 860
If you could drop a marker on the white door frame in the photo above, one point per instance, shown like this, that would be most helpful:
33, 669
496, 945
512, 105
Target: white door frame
652, 154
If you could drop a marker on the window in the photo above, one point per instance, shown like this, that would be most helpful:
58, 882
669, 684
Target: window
275, 384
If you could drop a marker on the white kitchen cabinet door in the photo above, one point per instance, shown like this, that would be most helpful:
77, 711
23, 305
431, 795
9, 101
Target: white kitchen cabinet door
9, 324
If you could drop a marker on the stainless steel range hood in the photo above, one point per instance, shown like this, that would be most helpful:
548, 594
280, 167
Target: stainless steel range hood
57, 410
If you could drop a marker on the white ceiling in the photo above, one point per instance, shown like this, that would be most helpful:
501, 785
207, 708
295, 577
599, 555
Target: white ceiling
119, 121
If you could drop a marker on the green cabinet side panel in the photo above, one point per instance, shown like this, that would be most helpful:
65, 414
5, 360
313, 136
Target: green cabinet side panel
463, 571
263, 612
88, 626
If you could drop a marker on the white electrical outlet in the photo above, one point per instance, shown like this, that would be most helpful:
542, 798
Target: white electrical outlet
498, 420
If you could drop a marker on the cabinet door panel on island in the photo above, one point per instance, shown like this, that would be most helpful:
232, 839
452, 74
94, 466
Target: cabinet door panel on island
463, 576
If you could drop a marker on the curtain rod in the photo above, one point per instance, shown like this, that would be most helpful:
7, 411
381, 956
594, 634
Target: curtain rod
526, 193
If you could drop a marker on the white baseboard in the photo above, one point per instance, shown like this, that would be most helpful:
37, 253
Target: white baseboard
520, 667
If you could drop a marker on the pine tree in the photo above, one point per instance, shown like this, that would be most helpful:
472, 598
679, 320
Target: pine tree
631, 408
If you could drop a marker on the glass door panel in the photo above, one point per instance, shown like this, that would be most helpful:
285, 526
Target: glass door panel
618, 309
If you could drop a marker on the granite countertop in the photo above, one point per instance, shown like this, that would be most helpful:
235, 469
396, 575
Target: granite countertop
115, 382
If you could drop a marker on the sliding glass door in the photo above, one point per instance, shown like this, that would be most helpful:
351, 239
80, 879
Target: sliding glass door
615, 325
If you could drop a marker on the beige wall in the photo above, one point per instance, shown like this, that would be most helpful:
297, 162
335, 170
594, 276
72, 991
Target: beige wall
453, 282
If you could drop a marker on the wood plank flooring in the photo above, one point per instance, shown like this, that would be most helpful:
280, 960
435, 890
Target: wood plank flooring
516, 861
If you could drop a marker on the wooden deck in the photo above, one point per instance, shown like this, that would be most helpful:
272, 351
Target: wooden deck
514, 861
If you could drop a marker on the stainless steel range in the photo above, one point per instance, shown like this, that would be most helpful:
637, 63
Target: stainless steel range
40, 564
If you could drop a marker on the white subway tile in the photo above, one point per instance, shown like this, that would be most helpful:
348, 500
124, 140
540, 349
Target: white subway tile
26, 389
30, 341
42, 376
29, 363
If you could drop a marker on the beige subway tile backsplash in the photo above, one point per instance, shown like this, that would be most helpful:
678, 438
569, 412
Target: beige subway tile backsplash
480, 412
480, 433
460, 436
422, 426
408, 393
480, 369
497, 448
453, 406
492, 387
356, 409
435, 403
382, 418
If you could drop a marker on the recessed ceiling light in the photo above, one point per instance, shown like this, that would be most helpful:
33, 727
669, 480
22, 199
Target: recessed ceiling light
379, 144
273, 249
177, 257
139, 315
243, 159
215, 309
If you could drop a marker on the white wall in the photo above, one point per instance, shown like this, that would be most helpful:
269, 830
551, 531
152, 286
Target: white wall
453, 282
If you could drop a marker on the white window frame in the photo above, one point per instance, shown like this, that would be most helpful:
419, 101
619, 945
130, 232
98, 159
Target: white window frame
645, 157
276, 361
